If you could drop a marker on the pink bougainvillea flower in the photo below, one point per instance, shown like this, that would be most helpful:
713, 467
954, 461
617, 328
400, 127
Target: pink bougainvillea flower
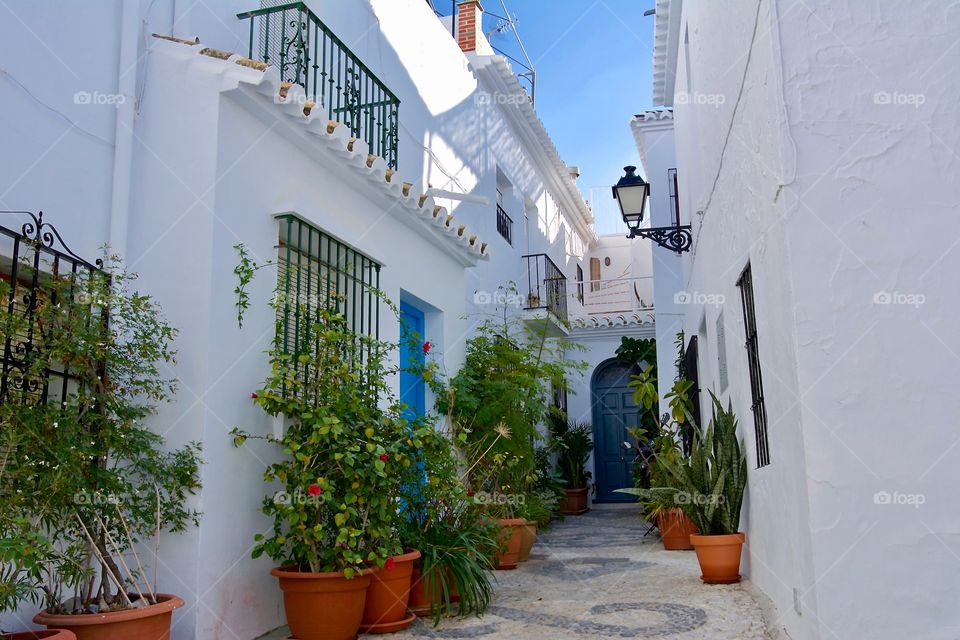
384, 457
314, 490
389, 564
427, 346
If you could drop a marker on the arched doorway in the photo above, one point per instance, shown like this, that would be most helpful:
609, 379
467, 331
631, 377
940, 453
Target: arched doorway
614, 411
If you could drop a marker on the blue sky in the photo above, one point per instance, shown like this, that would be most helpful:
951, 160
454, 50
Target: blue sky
593, 62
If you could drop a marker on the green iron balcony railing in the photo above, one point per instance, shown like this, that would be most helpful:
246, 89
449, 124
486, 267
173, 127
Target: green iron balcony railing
293, 39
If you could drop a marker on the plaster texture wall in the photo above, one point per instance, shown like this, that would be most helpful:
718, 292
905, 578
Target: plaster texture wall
816, 151
189, 165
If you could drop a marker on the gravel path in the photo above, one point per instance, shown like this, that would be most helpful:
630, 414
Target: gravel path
596, 576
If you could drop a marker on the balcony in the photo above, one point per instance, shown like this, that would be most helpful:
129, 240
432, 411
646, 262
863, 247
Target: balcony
546, 288
294, 40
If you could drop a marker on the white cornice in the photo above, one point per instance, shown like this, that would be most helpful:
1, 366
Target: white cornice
497, 77
649, 122
666, 38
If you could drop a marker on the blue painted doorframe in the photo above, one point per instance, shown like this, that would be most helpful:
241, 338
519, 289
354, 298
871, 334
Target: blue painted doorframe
413, 390
614, 411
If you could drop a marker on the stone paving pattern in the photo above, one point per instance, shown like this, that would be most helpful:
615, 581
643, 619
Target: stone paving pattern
597, 576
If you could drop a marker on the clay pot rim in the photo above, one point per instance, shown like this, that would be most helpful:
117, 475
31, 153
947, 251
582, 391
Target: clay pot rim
720, 540
411, 556
39, 634
576, 491
511, 522
167, 603
291, 572
530, 523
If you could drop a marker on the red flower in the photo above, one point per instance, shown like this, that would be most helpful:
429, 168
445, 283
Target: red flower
384, 457
427, 346
253, 396
314, 490
471, 493
389, 564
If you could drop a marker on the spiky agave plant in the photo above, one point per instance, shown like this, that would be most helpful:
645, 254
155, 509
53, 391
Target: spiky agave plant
709, 484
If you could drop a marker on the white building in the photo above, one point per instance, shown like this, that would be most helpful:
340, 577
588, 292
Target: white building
157, 128
815, 154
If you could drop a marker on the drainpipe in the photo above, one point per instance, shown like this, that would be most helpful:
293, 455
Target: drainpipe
123, 135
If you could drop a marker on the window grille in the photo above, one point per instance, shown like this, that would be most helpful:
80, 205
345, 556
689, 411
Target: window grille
753, 359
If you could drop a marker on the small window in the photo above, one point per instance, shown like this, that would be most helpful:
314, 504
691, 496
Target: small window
580, 283
594, 274
504, 224
753, 360
674, 195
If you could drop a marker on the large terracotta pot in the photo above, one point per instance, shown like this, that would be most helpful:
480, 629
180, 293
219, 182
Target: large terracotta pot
149, 623
425, 590
323, 606
49, 634
528, 535
574, 502
385, 610
510, 538
675, 530
719, 557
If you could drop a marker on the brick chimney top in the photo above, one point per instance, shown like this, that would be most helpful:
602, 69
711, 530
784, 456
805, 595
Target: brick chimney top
469, 19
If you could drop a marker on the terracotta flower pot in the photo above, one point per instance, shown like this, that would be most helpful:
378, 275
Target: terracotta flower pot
675, 530
425, 590
719, 557
574, 502
49, 634
149, 623
528, 535
385, 610
323, 606
511, 537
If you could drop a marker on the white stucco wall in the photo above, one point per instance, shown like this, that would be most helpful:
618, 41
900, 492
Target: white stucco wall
832, 156
195, 171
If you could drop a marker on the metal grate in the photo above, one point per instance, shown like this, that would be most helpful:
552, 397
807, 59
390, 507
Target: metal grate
293, 39
504, 225
36, 272
317, 271
546, 285
580, 283
753, 359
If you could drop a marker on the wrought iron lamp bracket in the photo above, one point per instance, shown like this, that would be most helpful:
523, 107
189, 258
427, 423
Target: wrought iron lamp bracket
675, 238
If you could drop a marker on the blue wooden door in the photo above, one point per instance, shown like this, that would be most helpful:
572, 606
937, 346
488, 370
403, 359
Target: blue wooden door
614, 411
413, 391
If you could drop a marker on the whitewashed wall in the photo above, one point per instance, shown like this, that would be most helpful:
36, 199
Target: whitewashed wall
838, 183
178, 174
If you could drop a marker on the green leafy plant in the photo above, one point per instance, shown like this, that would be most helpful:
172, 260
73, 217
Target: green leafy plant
633, 352
573, 443
346, 448
708, 485
84, 479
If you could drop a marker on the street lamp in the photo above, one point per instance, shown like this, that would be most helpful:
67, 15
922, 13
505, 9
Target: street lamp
631, 193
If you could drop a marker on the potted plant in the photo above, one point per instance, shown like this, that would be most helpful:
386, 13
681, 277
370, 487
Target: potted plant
708, 486
658, 497
573, 443
85, 474
455, 539
346, 451
495, 404
23, 552
536, 509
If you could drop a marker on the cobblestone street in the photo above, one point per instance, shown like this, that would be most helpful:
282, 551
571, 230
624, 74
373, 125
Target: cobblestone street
597, 576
